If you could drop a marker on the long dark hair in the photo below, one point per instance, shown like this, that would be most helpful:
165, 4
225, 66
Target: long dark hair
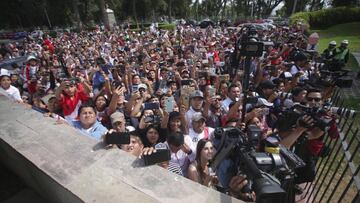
200, 146
144, 138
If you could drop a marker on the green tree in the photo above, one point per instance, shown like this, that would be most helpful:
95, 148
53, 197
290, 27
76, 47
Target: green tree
338, 3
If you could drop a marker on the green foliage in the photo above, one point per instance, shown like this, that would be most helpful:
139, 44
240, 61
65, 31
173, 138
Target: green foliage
349, 31
167, 26
327, 17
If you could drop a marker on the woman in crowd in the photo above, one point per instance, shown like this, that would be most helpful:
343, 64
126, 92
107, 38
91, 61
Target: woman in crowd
199, 171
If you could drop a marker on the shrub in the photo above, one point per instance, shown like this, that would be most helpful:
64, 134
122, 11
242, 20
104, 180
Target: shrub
167, 26
327, 17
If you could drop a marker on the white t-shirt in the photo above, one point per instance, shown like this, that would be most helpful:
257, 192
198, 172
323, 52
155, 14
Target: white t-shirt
189, 114
181, 158
226, 104
195, 137
294, 69
11, 93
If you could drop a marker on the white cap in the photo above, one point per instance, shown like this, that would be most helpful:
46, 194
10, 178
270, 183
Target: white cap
264, 102
31, 57
4, 72
332, 43
142, 85
345, 41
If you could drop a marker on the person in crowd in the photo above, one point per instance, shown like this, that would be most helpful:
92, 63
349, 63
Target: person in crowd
199, 170
71, 95
120, 71
7, 89
199, 130
233, 95
87, 123
196, 101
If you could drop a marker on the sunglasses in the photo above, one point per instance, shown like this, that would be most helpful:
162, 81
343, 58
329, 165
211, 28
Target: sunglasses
313, 99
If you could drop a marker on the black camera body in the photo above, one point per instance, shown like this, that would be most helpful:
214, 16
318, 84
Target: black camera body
238, 146
252, 49
154, 119
249, 45
289, 118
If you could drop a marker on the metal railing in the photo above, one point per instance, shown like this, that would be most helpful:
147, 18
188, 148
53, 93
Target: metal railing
337, 174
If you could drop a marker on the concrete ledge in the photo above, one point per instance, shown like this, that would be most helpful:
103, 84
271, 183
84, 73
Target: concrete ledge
65, 166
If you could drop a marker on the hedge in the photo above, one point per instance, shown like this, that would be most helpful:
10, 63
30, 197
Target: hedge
327, 17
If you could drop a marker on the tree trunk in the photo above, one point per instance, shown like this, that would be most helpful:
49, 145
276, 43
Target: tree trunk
134, 13
79, 24
104, 14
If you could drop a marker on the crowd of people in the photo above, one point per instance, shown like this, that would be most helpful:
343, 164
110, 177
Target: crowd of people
173, 89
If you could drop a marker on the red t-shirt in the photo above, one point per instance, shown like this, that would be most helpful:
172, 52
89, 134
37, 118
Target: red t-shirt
70, 105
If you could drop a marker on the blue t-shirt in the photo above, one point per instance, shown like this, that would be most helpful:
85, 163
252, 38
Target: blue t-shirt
95, 131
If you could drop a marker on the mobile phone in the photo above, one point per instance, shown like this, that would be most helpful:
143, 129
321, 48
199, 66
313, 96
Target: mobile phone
185, 96
212, 91
134, 88
159, 156
122, 69
213, 71
186, 82
117, 138
151, 105
169, 104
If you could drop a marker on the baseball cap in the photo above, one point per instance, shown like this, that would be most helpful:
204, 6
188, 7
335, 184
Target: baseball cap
31, 57
197, 93
4, 72
345, 41
267, 85
332, 43
264, 102
142, 86
300, 56
197, 117
116, 117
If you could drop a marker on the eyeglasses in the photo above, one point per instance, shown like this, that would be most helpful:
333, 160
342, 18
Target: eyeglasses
313, 99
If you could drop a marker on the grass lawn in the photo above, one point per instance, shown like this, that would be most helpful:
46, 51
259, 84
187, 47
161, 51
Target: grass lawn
349, 31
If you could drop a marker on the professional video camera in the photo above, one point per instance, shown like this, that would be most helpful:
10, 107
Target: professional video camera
249, 45
339, 78
240, 148
289, 118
